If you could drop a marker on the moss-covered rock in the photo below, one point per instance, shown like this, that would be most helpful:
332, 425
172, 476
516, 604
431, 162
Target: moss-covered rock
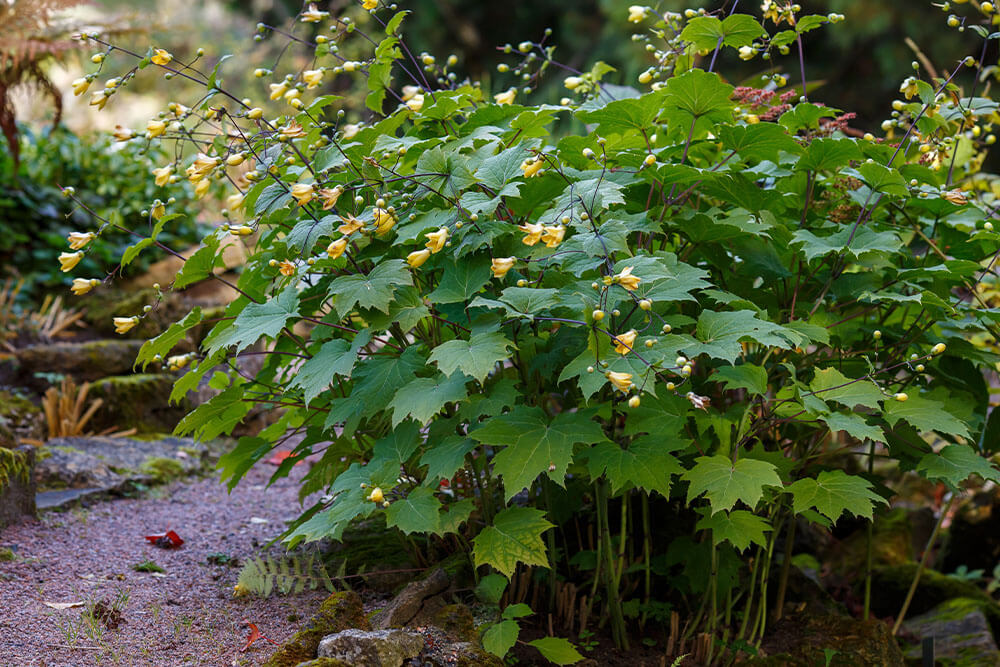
892, 544
85, 361
6, 555
961, 633
137, 401
162, 469
805, 640
17, 484
471, 654
19, 419
324, 662
892, 583
341, 611
457, 621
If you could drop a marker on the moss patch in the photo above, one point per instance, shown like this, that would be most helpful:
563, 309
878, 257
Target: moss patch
339, 612
6, 555
162, 469
13, 464
801, 640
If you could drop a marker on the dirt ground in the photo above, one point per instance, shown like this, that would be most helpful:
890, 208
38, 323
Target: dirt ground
186, 615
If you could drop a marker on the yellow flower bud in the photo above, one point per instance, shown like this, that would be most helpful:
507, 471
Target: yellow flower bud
376, 495
67, 260
501, 265
416, 258
125, 324
80, 86
336, 248
78, 240
83, 285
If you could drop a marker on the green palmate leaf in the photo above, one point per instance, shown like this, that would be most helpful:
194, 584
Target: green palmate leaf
830, 384
462, 278
697, 95
308, 232
834, 492
501, 172
500, 637
954, 464
454, 515
490, 588
865, 242
557, 650
720, 334
763, 141
407, 309
423, 398
645, 464
200, 265
217, 416
475, 357
534, 445
882, 179
416, 513
445, 458
374, 290
745, 376
724, 482
165, 342
378, 379
738, 527
515, 537
854, 425
335, 357
828, 154
259, 320
925, 414
621, 116
705, 32
398, 446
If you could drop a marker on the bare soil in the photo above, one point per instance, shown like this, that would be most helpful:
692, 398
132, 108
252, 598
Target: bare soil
187, 615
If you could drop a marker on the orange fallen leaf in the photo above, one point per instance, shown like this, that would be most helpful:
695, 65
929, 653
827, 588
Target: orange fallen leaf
254, 635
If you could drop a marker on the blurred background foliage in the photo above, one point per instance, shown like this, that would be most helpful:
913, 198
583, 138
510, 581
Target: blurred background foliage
859, 65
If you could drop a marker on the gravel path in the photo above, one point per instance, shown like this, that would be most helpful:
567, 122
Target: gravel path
186, 616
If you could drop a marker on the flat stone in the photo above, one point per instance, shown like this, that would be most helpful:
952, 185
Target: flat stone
108, 464
82, 361
409, 601
17, 485
960, 630
372, 648
50, 500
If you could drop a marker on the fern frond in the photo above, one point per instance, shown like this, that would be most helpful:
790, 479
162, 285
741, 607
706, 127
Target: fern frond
289, 574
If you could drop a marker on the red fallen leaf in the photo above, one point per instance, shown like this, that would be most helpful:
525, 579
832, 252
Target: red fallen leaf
280, 456
254, 635
167, 540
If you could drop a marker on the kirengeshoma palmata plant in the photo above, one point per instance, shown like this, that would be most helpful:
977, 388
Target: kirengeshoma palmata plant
521, 329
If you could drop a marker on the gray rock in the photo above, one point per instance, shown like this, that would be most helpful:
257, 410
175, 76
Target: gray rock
409, 601
372, 648
471, 654
108, 464
961, 633
17, 485
82, 361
